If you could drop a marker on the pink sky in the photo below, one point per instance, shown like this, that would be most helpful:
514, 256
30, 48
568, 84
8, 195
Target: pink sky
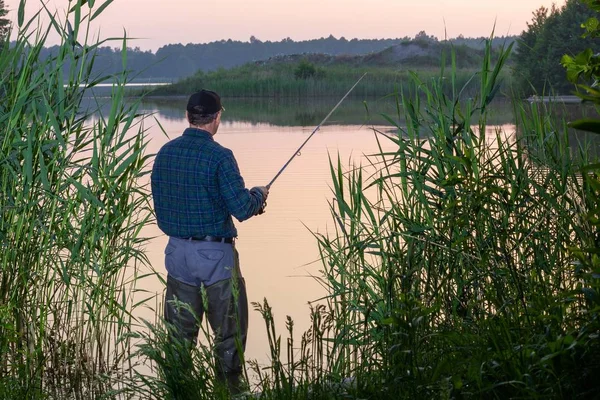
160, 22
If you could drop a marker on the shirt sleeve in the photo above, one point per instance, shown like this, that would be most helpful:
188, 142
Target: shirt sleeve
240, 202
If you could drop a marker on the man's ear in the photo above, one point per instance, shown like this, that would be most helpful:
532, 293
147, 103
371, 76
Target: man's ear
187, 118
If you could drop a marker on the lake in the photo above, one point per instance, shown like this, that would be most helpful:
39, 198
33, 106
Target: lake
279, 254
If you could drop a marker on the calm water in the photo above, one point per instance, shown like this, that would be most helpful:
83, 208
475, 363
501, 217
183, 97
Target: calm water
279, 254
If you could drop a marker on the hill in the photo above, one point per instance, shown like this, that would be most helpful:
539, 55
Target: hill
311, 75
415, 53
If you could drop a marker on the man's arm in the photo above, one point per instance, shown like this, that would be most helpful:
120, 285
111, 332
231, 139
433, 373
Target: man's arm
240, 202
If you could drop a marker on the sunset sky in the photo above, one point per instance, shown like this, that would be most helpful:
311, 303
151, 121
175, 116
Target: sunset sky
160, 22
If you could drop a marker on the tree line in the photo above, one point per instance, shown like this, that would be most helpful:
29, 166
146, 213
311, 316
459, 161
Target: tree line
175, 61
551, 33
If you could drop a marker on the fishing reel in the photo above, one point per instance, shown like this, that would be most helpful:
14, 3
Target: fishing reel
262, 208
264, 204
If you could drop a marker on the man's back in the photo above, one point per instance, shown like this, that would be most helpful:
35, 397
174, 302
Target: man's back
197, 187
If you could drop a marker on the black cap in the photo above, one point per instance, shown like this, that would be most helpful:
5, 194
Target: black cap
204, 102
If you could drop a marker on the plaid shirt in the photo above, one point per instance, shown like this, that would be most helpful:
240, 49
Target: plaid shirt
197, 187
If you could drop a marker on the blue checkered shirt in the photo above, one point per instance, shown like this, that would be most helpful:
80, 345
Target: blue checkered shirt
197, 187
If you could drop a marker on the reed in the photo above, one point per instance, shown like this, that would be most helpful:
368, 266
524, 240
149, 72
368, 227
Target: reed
454, 270
72, 206
279, 81
178, 370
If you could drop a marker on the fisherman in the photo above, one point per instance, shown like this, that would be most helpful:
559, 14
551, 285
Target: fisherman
197, 188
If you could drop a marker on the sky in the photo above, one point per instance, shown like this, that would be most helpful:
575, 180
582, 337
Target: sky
155, 23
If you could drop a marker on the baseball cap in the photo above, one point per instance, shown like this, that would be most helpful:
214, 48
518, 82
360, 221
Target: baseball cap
204, 102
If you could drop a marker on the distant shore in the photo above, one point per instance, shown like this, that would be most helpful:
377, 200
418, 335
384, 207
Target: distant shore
554, 99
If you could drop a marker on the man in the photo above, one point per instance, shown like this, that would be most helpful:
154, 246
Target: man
197, 188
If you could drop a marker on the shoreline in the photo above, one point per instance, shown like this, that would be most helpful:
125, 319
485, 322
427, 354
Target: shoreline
569, 99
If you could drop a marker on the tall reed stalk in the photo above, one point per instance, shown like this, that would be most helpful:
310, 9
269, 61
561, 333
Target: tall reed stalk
71, 209
453, 269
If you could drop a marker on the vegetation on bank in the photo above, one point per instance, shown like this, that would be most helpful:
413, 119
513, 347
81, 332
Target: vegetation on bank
467, 265
319, 75
279, 80
464, 264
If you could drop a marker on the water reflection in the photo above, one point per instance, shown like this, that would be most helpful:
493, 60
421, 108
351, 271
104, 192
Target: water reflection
308, 111
288, 112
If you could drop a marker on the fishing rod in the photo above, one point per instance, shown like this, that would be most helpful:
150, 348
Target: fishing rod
313, 132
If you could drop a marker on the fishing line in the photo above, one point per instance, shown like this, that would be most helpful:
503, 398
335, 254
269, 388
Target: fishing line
297, 152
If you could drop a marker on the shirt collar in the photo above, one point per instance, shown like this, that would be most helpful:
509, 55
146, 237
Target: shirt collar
199, 133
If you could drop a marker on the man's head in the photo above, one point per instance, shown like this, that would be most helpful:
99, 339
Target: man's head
204, 110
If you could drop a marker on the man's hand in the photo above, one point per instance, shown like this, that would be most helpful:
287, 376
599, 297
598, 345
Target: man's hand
265, 192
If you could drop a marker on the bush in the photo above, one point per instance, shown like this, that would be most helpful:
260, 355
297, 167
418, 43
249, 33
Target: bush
305, 70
